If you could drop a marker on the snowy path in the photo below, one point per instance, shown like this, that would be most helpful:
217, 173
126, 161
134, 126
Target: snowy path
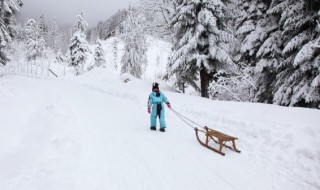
93, 133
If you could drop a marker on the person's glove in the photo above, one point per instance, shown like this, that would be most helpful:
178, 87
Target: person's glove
169, 105
149, 110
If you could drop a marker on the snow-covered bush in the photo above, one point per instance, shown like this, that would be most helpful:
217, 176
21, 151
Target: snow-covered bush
239, 87
127, 77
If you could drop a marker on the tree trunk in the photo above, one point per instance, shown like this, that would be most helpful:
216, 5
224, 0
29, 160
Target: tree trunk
204, 79
182, 87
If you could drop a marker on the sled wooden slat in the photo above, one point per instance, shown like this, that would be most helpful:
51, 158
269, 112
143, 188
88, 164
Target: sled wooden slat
219, 138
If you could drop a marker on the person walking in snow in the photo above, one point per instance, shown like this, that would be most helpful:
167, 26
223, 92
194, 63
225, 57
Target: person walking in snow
156, 107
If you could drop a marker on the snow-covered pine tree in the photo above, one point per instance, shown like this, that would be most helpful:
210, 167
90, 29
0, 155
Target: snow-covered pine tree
317, 43
134, 59
53, 33
64, 35
35, 44
8, 9
297, 79
81, 24
115, 52
113, 23
43, 28
260, 44
200, 33
31, 32
60, 58
79, 46
20, 32
99, 55
253, 26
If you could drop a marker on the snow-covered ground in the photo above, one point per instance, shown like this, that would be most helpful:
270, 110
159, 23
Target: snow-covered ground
92, 133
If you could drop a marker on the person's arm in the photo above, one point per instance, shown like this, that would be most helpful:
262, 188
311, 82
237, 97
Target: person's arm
149, 104
166, 101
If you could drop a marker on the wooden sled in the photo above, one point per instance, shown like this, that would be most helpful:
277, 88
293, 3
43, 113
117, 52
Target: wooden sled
219, 138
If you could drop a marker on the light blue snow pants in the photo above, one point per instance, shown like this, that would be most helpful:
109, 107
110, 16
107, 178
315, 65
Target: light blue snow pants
157, 113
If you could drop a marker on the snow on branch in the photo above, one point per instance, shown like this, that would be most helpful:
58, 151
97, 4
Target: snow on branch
239, 87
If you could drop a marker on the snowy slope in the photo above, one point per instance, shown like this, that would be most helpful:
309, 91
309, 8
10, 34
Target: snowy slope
92, 133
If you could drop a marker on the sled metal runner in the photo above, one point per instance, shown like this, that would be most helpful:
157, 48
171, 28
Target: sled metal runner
220, 138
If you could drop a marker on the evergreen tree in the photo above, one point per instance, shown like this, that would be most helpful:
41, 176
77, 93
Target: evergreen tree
43, 28
297, 75
200, 33
104, 29
260, 44
60, 58
99, 55
79, 46
81, 25
253, 27
8, 9
276, 38
134, 59
20, 32
35, 44
64, 36
317, 43
115, 52
53, 33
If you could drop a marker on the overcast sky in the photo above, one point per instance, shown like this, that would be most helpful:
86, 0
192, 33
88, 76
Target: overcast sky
65, 11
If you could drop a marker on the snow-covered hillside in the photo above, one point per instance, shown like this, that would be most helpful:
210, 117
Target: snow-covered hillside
92, 132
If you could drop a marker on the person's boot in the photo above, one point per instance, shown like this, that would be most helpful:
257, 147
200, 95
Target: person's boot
153, 128
162, 129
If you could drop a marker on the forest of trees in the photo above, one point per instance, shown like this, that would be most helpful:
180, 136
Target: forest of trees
242, 50
272, 59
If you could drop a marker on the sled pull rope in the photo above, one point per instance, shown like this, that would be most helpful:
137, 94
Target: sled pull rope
187, 120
